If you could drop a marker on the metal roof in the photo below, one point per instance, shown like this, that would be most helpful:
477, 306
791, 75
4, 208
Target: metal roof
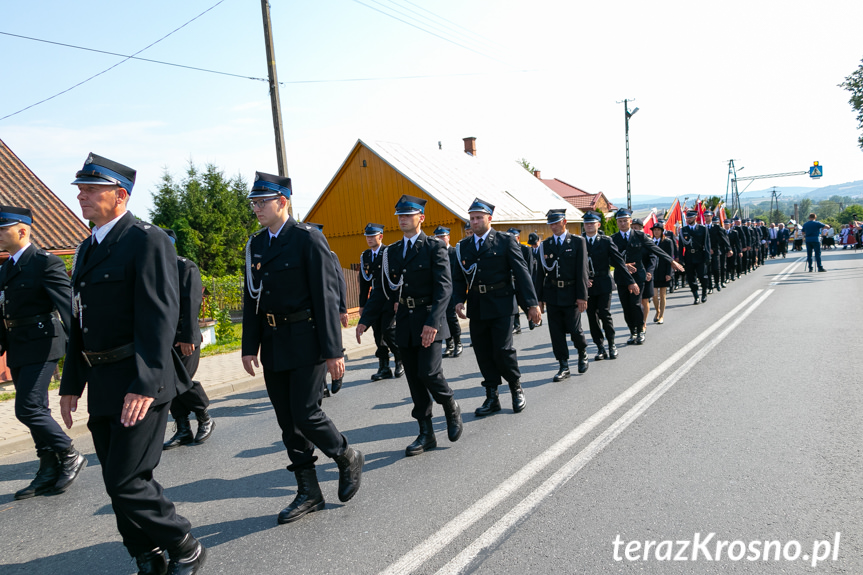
454, 179
55, 227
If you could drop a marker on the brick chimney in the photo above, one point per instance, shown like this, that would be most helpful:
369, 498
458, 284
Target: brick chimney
538, 174
470, 146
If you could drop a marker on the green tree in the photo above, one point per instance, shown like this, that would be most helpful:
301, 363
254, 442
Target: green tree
711, 202
526, 165
853, 212
210, 215
854, 84
804, 208
607, 225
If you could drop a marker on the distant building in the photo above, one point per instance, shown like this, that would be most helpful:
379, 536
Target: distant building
584, 201
373, 177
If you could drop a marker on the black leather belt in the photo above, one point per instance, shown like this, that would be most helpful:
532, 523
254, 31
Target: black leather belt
562, 283
481, 288
33, 320
109, 356
274, 319
413, 302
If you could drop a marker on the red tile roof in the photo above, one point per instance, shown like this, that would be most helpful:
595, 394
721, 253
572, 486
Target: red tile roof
55, 227
563, 189
580, 199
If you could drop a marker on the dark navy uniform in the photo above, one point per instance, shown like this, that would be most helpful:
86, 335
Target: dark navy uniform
527, 253
720, 245
454, 347
419, 279
34, 295
485, 282
384, 327
603, 254
695, 244
561, 281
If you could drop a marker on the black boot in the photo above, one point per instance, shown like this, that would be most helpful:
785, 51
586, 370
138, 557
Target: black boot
612, 351
350, 473
450, 348
582, 361
71, 464
454, 427
639, 337
205, 426
308, 499
182, 437
46, 476
399, 370
518, 399
600, 353
152, 562
703, 295
695, 296
384, 371
425, 441
632, 337
336, 385
491, 403
458, 347
187, 558
563, 372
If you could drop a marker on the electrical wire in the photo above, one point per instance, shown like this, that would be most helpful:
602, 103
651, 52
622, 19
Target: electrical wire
425, 20
490, 42
114, 66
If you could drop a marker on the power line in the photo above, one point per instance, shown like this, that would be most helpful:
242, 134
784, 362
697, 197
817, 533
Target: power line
115, 65
423, 19
491, 43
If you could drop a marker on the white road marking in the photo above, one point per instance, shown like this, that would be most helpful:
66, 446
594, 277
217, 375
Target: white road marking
416, 557
497, 531
783, 275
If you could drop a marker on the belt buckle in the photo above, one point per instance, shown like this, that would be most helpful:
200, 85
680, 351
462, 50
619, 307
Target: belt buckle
482, 288
561, 284
271, 320
86, 359
410, 302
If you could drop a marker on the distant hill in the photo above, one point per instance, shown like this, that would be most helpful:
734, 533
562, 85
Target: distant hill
853, 189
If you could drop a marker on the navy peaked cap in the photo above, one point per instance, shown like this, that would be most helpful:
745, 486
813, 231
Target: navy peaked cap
691, 213
104, 172
532, 238
592, 217
637, 222
556, 215
479, 205
270, 186
409, 205
514, 231
11, 215
373, 229
622, 213
658, 224
441, 231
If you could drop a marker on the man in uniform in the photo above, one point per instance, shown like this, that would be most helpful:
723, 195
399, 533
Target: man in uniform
125, 302
454, 347
632, 245
384, 328
561, 286
291, 316
34, 297
527, 253
602, 253
742, 258
732, 263
188, 341
720, 250
417, 275
488, 261
695, 244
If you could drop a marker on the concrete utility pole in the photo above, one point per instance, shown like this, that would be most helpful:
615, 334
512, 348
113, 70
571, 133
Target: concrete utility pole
628, 115
281, 155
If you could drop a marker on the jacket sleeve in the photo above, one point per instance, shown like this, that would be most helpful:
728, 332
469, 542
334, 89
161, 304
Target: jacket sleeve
523, 281
459, 283
442, 289
191, 298
325, 295
582, 269
654, 249
616, 260
365, 287
343, 286
251, 321
56, 283
539, 286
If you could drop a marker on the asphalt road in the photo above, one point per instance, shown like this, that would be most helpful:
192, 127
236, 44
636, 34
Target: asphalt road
740, 417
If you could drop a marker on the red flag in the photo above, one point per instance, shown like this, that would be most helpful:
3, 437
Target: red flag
674, 217
720, 213
699, 207
648, 222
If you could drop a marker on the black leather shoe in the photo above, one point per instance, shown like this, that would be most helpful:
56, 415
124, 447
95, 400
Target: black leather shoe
531, 326
516, 330
327, 390
450, 348
600, 354
71, 464
491, 403
425, 441
518, 399
336, 385
46, 476
206, 425
384, 371
350, 473
696, 302
563, 372
639, 338
183, 436
821, 270
703, 297
189, 558
710, 291
308, 499
152, 562
459, 348
582, 361
632, 337
454, 426
399, 370
612, 351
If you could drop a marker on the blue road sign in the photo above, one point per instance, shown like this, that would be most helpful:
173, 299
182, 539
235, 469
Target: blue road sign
816, 171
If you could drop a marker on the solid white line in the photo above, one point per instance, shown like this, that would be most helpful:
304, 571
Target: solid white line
784, 274
497, 531
416, 557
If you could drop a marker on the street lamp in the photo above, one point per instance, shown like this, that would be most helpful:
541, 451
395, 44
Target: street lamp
628, 115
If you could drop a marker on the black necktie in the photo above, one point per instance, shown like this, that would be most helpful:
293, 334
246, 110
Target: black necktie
559, 241
479, 245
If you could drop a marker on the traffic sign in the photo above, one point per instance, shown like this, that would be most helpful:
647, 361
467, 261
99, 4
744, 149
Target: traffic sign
816, 171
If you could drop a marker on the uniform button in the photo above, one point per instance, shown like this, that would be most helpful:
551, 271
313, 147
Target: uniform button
404, 271
268, 292
266, 273
83, 284
86, 330
106, 276
84, 306
406, 284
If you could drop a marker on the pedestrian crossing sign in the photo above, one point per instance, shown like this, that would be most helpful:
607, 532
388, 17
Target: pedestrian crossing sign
816, 170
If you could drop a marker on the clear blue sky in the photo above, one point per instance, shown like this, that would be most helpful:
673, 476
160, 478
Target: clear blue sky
754, 80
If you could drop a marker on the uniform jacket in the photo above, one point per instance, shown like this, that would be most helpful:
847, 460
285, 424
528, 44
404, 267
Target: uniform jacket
695, 243
343, 285
425, 273
719, 242
663, 267
370, 269
453, 268
783, 235
296, 274
36, 285
191, 298
633, 253
129, 293
572, 269
499, 261
734, 238
603, 255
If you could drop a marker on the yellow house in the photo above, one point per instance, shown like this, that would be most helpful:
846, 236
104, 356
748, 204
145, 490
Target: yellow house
374, 176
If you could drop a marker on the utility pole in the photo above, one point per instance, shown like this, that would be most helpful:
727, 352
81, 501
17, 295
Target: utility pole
627, 116
281, 155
